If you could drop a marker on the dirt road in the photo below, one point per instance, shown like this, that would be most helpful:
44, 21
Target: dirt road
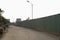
20, 33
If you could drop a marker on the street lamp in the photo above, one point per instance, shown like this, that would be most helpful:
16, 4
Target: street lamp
31, 6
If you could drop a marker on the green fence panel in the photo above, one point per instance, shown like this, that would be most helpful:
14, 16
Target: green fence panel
50, 23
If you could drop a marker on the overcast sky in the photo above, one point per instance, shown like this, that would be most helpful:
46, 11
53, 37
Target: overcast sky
21, 9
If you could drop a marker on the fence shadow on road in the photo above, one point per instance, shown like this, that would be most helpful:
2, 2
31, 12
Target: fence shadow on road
47, 33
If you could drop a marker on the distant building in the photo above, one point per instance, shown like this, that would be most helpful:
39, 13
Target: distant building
28, 18
18, 20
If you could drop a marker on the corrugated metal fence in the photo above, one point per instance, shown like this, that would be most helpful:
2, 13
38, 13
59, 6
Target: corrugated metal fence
50, 24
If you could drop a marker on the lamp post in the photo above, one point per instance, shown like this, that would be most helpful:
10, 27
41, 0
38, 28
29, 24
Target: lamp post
32, 7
